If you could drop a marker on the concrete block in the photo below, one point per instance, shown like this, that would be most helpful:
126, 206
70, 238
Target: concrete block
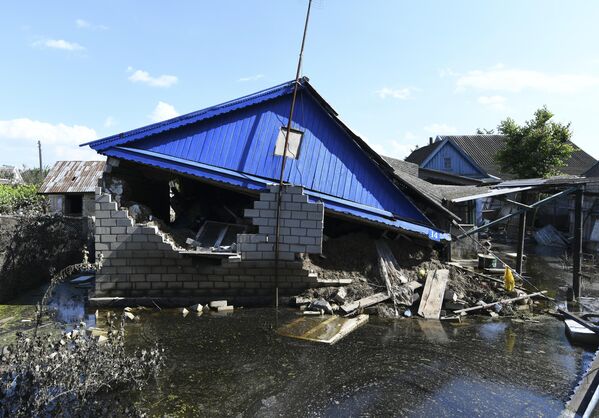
291, 223
139, 238
268, 197
307, 240
102, 214
108, 206
118, 214
108, 238
251, 213
124, 222
265, 247
308, 224
313, 249
102, 247
267, 230
118, 230
100, 230
300, 232
300, 215
258, 204
316, 216
316, 233
300, 198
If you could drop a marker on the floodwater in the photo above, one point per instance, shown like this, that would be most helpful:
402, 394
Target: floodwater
236, 365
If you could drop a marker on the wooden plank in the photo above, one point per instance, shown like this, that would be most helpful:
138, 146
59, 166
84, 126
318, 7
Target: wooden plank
365, 302
488, 305
327, 330
432, 295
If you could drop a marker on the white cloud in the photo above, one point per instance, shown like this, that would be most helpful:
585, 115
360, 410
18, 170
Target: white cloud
109, 122
514, 80
140, 76
59, 141
59, 44
163, 111
440, 129
494, 102
84, 24
401, 94
251, 78
447, 72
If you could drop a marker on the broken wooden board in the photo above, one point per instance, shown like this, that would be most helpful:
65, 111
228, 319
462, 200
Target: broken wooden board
322, 329
365, 302
432, 295
583, 402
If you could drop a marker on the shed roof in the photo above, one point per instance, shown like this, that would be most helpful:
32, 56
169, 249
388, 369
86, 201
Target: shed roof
483, 148
593, 171
72, 177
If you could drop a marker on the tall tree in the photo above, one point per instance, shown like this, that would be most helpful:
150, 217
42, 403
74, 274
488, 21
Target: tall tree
539, 148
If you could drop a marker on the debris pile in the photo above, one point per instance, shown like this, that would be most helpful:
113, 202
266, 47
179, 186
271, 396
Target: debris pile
398, 278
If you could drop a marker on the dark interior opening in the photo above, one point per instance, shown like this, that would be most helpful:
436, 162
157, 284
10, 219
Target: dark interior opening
73, 205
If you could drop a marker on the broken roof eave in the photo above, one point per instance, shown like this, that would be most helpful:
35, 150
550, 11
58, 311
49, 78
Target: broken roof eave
492, 193
233, 178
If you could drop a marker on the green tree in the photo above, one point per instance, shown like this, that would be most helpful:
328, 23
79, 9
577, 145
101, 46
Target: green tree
539, 148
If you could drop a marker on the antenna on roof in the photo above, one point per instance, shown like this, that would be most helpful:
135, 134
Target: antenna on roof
288, 129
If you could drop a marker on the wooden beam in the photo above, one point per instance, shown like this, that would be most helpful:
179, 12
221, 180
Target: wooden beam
489, 305
521, 237
432, 294
365, 302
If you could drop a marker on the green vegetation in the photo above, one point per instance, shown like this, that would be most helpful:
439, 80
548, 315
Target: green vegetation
539, 148
19, 199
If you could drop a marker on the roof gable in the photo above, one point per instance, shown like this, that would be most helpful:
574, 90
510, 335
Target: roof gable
235, 143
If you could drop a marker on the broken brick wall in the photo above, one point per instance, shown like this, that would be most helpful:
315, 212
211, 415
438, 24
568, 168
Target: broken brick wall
140, 261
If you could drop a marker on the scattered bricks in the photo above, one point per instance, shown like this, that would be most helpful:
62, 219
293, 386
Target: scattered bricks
227, 308
217, 303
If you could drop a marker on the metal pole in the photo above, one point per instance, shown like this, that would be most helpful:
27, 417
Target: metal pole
521, 237
280, 191
506, 217
577, 245
39, 148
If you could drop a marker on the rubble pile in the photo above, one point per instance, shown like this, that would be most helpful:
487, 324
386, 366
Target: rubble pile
397, 284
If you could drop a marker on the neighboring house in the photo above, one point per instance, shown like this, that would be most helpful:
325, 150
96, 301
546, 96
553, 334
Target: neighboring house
473, 156
70, 187
10, 175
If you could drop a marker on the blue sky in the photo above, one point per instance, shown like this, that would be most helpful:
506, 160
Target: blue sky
396, 71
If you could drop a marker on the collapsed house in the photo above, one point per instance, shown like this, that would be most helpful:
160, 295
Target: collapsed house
188, 207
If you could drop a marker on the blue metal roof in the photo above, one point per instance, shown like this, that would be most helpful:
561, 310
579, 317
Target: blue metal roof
234, 143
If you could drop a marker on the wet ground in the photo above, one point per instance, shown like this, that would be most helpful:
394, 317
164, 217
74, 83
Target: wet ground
236, 364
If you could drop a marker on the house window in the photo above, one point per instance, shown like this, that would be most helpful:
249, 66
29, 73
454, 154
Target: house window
447, 163
293, 146
73, 205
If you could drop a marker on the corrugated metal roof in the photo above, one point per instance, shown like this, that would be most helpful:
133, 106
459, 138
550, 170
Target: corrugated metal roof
73, 177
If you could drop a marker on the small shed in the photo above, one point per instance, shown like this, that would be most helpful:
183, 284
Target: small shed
70, 187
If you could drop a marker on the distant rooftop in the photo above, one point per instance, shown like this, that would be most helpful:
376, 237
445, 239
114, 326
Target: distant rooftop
73, 177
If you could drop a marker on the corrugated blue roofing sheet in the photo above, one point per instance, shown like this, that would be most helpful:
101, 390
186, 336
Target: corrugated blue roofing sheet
234, 143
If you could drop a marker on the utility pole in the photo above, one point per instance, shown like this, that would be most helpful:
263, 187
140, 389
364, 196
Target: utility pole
280, 191
39, 148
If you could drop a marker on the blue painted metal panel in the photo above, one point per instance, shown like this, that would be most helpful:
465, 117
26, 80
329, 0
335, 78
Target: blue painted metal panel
244, 140
237, 179
234, 143
458, 163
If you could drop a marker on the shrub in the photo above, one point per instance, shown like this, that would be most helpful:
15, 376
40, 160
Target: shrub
18, 199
